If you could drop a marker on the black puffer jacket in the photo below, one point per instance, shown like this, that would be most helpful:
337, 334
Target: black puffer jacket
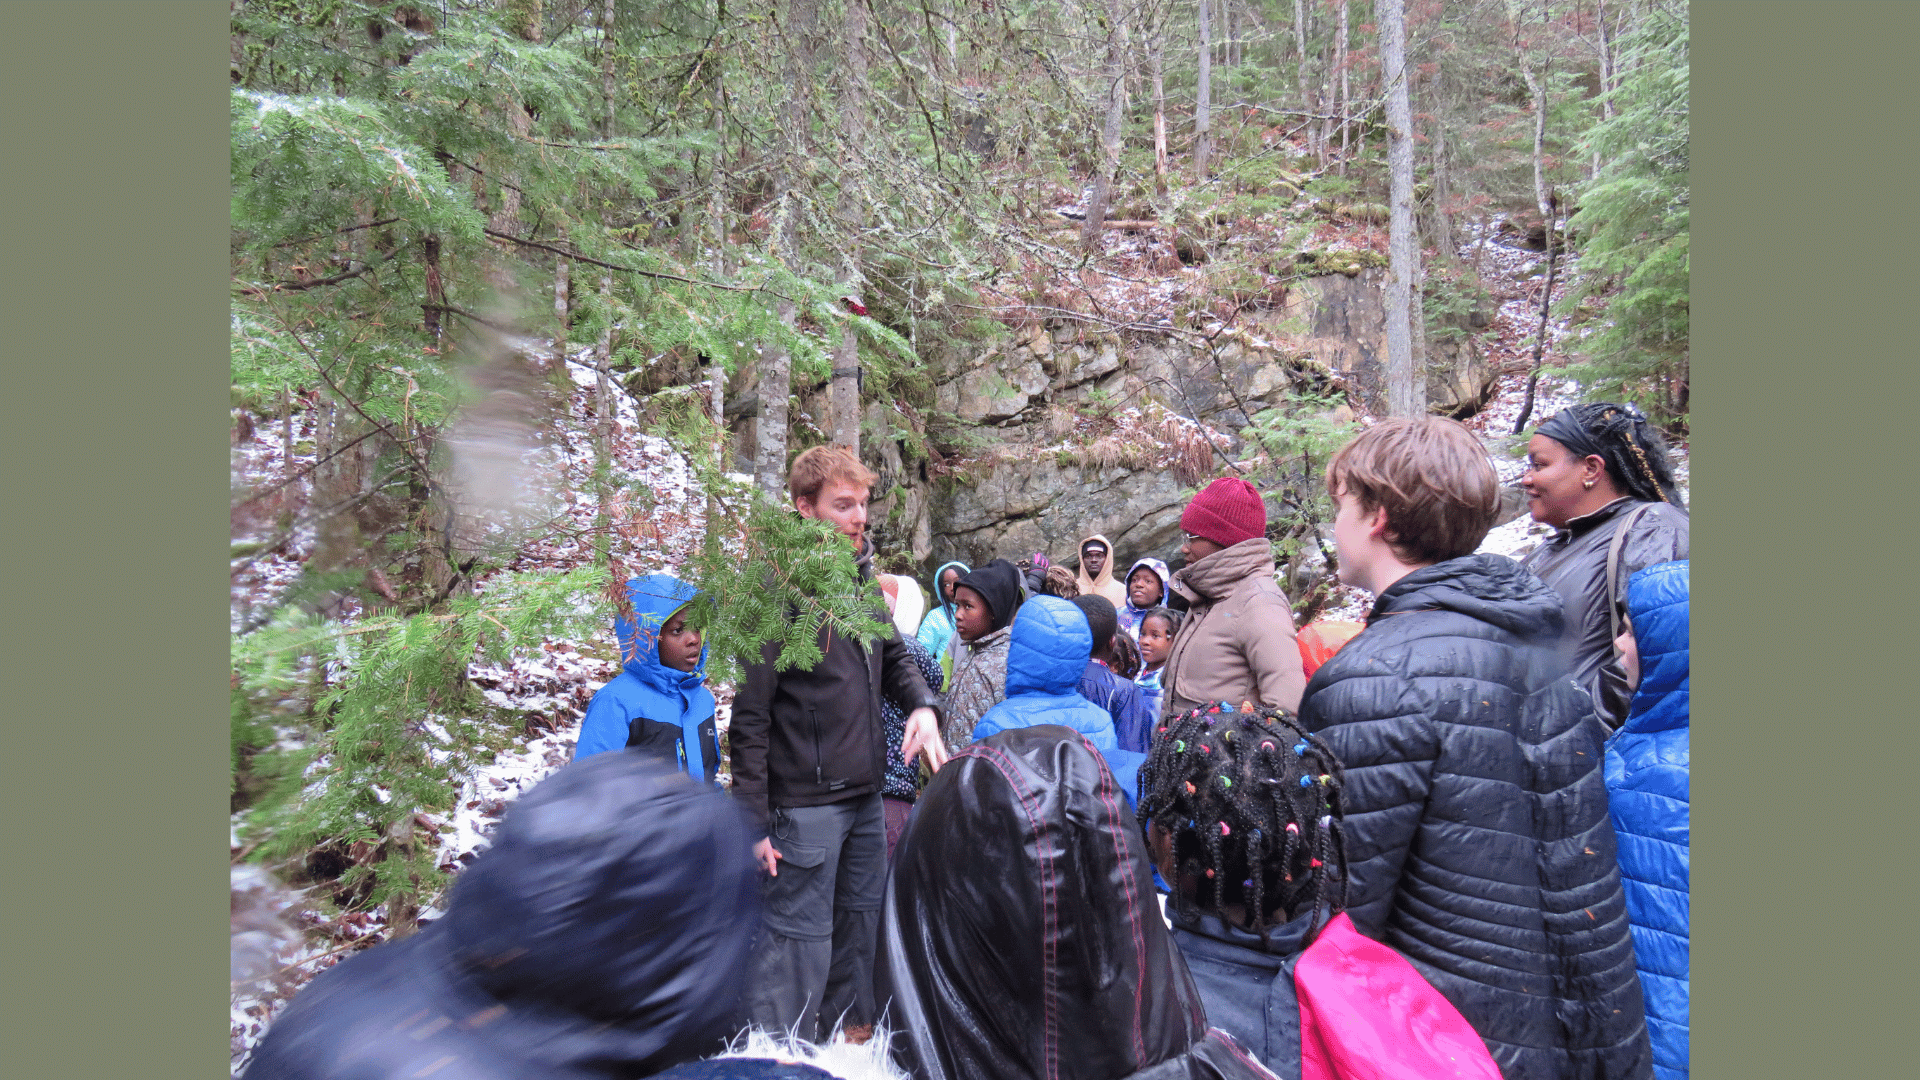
1476, 817
604, 934
814, 737
1020, 939
1574, 561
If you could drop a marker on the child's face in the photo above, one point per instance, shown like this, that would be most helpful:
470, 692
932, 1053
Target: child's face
1143, 588
948, 580
972, 617
679, 643
1156, 641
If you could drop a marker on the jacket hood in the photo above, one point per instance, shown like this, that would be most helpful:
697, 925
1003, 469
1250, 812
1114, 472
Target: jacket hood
1658, 598
908, 605
1214, 576
1491, 588
1045, 957
941, 597
999, 583
1160, 569
655, 598
578, 944
1050, 647
1106, 584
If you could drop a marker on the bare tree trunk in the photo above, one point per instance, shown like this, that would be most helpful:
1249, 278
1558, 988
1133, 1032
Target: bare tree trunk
1159, 112
1116, 79
561, 284
717, 220
1605, 49
1202, 101
1537, 88
1346, 89
1306, 90
1403, 253
844, 390
776, 364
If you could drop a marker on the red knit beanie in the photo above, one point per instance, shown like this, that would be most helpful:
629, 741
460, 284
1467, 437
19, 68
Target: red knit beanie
1228, 511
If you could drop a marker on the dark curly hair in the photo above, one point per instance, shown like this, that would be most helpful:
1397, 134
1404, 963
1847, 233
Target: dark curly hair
1621, 435
1253, 804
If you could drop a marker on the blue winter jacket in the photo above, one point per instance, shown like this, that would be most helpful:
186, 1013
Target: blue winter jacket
650, 706
1122, 700
1647, 795
1047, 653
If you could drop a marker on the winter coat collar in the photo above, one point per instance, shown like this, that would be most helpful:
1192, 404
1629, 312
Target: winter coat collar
1214, 576
1491, 588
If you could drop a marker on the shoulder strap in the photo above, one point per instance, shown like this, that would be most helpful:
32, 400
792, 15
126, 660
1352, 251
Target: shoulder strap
1615, 598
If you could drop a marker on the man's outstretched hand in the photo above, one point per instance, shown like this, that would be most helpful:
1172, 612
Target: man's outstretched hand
923, 736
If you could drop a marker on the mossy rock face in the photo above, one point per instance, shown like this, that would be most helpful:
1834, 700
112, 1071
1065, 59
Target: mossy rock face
1350, 263
1284, 191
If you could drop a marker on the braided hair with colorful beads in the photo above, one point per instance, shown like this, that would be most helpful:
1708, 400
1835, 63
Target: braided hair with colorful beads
1252, 804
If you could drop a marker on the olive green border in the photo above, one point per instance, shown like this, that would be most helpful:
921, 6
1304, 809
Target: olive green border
116, 290
1802, 192
114, 410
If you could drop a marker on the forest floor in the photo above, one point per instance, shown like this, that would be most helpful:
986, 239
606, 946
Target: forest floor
283, 938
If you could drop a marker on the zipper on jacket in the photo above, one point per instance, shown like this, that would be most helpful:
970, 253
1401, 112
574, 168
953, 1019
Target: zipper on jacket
819, 775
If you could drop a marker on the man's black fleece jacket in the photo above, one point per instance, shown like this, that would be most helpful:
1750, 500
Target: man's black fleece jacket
814, 737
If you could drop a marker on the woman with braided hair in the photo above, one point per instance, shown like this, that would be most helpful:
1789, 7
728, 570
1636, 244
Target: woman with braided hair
1599, 475
1243, 817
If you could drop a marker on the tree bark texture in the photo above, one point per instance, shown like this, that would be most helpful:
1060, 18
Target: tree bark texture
1202, 101
1154, 58
1402, 251
844, 389
1314, 145
776, 364
1346, 89
1116, 80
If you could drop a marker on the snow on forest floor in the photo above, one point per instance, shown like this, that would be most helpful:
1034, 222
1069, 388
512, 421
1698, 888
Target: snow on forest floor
281, 940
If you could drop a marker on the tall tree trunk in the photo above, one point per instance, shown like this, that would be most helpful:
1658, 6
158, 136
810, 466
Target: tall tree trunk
1346, 88
776, 364
561, 285
844, 390
1202, 101
1159, 112
717, 221
1116, 79
1306, 89
1604, 45
1403, 252
1536, 86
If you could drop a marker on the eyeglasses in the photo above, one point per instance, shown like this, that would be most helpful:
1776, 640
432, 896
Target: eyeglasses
1191, 537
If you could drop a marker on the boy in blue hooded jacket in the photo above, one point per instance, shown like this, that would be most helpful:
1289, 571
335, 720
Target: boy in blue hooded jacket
659, 703
1049, 649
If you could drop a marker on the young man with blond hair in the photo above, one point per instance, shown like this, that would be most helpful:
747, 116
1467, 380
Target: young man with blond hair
809, 757
1476, 812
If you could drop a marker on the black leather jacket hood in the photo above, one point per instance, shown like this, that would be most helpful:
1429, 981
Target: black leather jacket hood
1020, 936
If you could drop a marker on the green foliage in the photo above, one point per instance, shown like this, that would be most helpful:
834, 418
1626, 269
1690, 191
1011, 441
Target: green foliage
1632, 227
390, 721
1297, 440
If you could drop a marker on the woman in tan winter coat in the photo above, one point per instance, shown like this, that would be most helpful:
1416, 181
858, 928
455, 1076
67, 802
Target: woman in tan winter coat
1236, 643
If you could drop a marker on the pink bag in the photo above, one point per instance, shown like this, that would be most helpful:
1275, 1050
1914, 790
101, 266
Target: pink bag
1367, 1014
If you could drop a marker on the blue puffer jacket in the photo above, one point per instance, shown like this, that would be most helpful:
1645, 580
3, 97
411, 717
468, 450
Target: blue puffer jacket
1647, 794
1048, 651
649, 706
